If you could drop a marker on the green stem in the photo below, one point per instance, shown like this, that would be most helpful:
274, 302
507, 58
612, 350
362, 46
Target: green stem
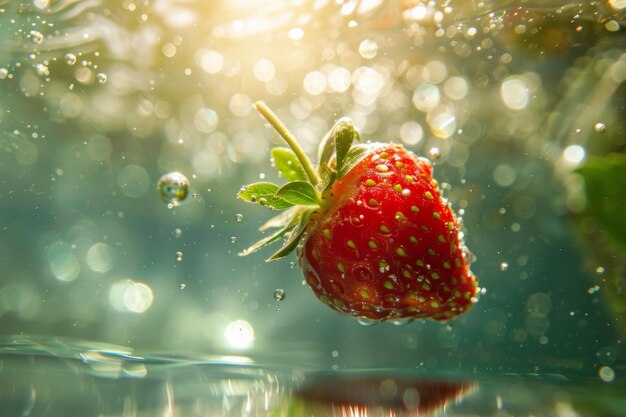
269, 115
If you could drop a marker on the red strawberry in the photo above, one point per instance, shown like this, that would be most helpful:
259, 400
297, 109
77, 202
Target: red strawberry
375, 238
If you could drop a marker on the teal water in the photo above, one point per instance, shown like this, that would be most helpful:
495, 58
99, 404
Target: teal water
56, 377
113, 302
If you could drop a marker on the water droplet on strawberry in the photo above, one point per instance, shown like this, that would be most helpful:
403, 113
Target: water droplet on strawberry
364, 321
363, 273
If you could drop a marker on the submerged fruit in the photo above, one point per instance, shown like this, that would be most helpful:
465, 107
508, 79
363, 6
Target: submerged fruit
375, 238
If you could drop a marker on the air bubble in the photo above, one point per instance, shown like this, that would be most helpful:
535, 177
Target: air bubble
600, 270
179, 256
593, 289
173, 188
599, 127
3, 73
178, 232
35, 36
279, 294
101, 78
364, 321
233, 239
434, 153
239, 217
70, 59
504, 266
368, 49
606, 373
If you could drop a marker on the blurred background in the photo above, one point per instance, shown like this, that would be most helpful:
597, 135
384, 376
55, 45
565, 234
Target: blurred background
519, 104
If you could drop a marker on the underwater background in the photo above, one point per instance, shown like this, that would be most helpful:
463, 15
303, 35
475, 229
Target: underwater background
520, 105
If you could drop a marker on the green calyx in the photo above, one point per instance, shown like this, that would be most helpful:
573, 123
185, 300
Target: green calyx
301, 196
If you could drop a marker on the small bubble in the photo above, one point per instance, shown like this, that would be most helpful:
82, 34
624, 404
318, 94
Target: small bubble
593, 289
600, 270
3, 73
262, 176
434, 153
178, 232
173, 188
599, 127
101, 77
233, 239
183, 285
239, 217
334, 353
42, 70
504, 266
364, 321
70, 59
279, 294
292, 265
35, 36
368, 49
179, 256
606, 373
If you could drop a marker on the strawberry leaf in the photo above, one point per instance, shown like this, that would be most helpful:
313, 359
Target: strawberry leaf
264, 194
288, 164
299, 193
268, 240
337, 141
355, 155
280, 220
301, 221
345, 135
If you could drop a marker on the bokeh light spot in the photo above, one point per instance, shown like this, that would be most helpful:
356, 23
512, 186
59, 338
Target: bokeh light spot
239, 334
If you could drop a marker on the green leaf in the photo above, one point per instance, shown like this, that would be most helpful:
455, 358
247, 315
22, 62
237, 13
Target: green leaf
344, 136
264, 194
280, 220
336, 141
605, 182
268, 240
355, 155
288, 164
301, 221
299, 193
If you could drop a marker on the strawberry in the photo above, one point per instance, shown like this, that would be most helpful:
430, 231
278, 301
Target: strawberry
374, 237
